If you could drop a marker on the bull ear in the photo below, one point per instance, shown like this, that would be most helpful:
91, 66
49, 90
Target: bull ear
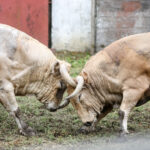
85, 76
56, 68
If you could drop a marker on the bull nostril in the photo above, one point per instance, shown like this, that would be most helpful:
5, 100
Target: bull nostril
88, 124
53, 109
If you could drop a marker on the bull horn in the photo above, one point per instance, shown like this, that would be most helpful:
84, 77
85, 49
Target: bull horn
66, 76
80, 83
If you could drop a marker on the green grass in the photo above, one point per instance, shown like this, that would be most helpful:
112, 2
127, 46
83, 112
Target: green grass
63, 125
77, 61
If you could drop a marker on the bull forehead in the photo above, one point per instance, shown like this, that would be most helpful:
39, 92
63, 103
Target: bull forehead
86, 114
48, 89
52, 92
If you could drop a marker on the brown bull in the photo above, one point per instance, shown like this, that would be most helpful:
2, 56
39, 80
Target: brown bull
29, 67
119, 74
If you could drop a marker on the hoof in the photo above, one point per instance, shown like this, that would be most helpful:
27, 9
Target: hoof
28, 132
124, 133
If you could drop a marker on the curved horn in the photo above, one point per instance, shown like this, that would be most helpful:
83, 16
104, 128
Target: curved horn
66, 76
79, 86
80, 83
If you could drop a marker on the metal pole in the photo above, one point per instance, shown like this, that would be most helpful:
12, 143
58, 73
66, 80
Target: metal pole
93, 26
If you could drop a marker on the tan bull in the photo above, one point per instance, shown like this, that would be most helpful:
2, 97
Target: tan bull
119, 74
29, 67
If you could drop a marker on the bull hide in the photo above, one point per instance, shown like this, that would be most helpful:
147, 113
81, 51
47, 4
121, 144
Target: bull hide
28, 67
117, 75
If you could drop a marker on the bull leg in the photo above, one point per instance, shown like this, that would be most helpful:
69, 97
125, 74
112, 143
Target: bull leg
130, 99
8, 100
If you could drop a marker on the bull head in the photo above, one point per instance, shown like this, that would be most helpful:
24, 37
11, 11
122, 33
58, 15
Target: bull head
61, 77
79, 99
60, 68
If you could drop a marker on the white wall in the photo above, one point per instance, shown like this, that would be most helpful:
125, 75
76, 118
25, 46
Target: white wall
71, 25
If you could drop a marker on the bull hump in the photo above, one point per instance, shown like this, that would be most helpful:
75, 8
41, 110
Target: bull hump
8, 40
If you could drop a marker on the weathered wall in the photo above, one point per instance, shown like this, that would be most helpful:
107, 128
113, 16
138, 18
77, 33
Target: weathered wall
71, 25
119, 18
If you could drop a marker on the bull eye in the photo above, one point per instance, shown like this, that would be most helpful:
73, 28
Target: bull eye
79, 98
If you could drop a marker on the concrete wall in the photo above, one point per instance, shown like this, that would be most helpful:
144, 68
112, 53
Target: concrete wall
119, 18
71, 25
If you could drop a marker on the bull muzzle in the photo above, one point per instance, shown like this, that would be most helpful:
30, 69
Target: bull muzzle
53, 109
51, 106
88, 124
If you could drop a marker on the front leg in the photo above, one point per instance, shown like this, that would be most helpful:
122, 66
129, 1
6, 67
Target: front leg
24, 129
8, 100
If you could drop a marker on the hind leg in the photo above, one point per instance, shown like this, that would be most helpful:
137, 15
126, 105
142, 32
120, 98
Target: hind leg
8, 100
